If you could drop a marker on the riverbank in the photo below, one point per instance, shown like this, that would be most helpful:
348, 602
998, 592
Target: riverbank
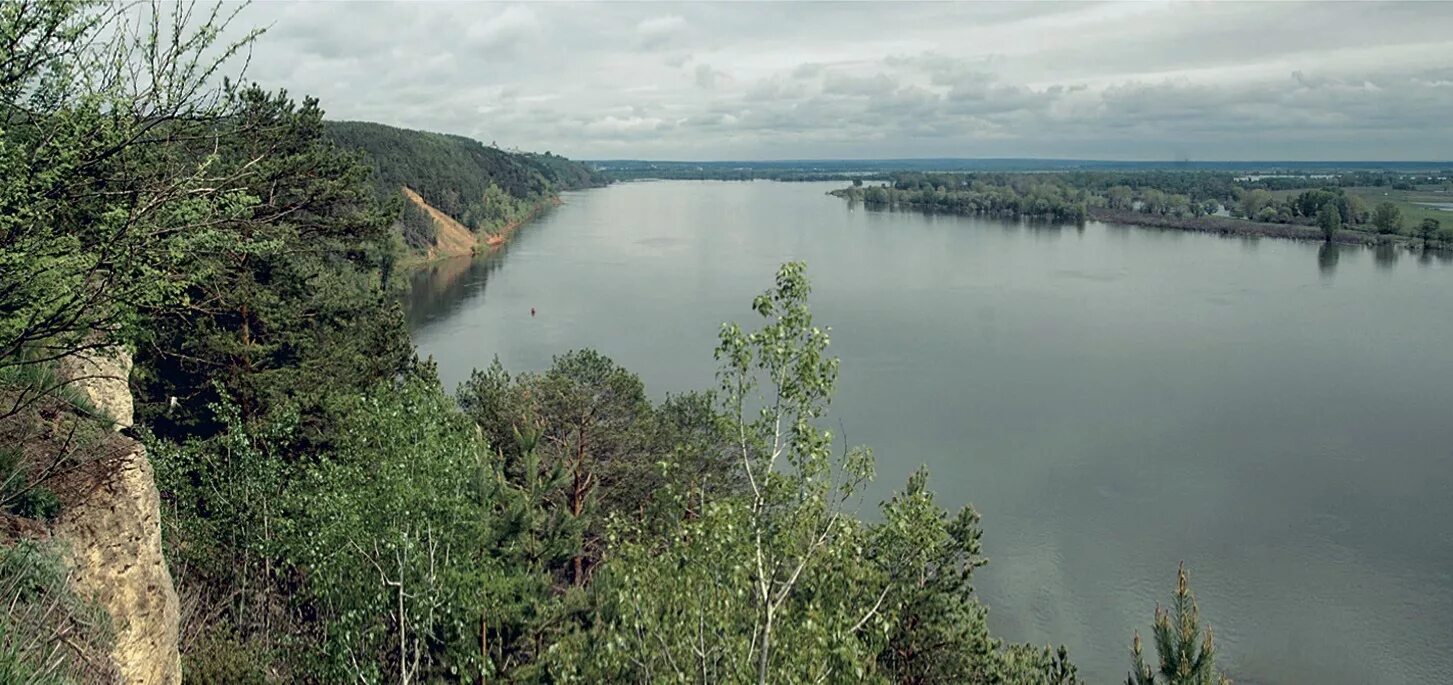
1238, 227
456, 240
1218, 225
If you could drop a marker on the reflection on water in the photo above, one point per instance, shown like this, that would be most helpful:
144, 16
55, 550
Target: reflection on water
438, 289
1113, 400
1327, 256
1385, 255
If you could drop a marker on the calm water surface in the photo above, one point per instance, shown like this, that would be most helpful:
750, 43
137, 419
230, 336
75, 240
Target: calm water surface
1113, 400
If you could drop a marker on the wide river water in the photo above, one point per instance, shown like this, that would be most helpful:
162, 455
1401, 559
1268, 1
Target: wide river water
1112, 400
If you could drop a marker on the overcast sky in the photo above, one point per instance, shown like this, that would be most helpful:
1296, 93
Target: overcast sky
1205, 81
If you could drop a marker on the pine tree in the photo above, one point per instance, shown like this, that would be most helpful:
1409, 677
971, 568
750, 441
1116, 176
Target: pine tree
1187, 657
286, 307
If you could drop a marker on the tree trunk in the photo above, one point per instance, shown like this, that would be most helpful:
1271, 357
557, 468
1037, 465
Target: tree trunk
762, 658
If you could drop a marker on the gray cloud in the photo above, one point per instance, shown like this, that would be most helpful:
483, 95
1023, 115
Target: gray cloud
697, 81
658, 32
706, 77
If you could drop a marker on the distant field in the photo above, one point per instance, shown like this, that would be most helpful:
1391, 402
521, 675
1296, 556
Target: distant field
1406, 201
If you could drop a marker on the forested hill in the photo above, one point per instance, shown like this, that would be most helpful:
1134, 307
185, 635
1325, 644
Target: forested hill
483, 188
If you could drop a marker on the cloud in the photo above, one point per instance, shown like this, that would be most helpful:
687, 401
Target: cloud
707, 78
1122, 81
876, 85
503, 31
658, 32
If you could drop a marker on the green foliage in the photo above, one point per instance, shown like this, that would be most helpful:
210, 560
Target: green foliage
286, 305
222, 502
1253, 202
392, 556
1330, 220
779, 584
419, 229
1119, 197
220, 657
1428, 230
565, 174
1187, 655
90, 205
395, 529
1387, 218
480, 186
999, 195
590, 419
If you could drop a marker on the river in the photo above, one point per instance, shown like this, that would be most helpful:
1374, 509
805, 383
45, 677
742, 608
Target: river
1112, 400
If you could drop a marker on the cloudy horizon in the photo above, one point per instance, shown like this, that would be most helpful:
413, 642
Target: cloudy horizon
1206, 82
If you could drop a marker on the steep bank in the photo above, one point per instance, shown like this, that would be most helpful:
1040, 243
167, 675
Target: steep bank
458, 194
453, 239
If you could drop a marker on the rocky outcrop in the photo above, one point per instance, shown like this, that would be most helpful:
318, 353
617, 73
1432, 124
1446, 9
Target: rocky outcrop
111, 523
102, 376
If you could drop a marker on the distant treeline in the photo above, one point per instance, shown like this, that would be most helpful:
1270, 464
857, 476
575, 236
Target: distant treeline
881, 169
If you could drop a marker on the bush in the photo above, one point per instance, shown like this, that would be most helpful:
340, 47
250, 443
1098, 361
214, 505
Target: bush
220, 657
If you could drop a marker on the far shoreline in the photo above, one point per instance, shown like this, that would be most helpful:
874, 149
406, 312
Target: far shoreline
1227, 226
1215, 225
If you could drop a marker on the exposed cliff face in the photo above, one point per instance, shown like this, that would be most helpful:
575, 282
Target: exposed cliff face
452, 239
101, 375
112, 524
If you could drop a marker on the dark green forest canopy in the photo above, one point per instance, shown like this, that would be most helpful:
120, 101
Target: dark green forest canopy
454, 173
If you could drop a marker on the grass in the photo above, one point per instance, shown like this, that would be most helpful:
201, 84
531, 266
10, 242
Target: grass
1406, 202
47, 427
48, 635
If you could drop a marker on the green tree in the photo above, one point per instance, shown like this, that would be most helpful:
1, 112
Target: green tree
1187, 654
1178, 205
94, 207
526, 613
779, 584
1387, 218
1428, 230
594, 421
1355, 211
792, 516
286, 306
935, 629
1330, 221
1119, 197
1252, 202
1154, 201
398, 533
